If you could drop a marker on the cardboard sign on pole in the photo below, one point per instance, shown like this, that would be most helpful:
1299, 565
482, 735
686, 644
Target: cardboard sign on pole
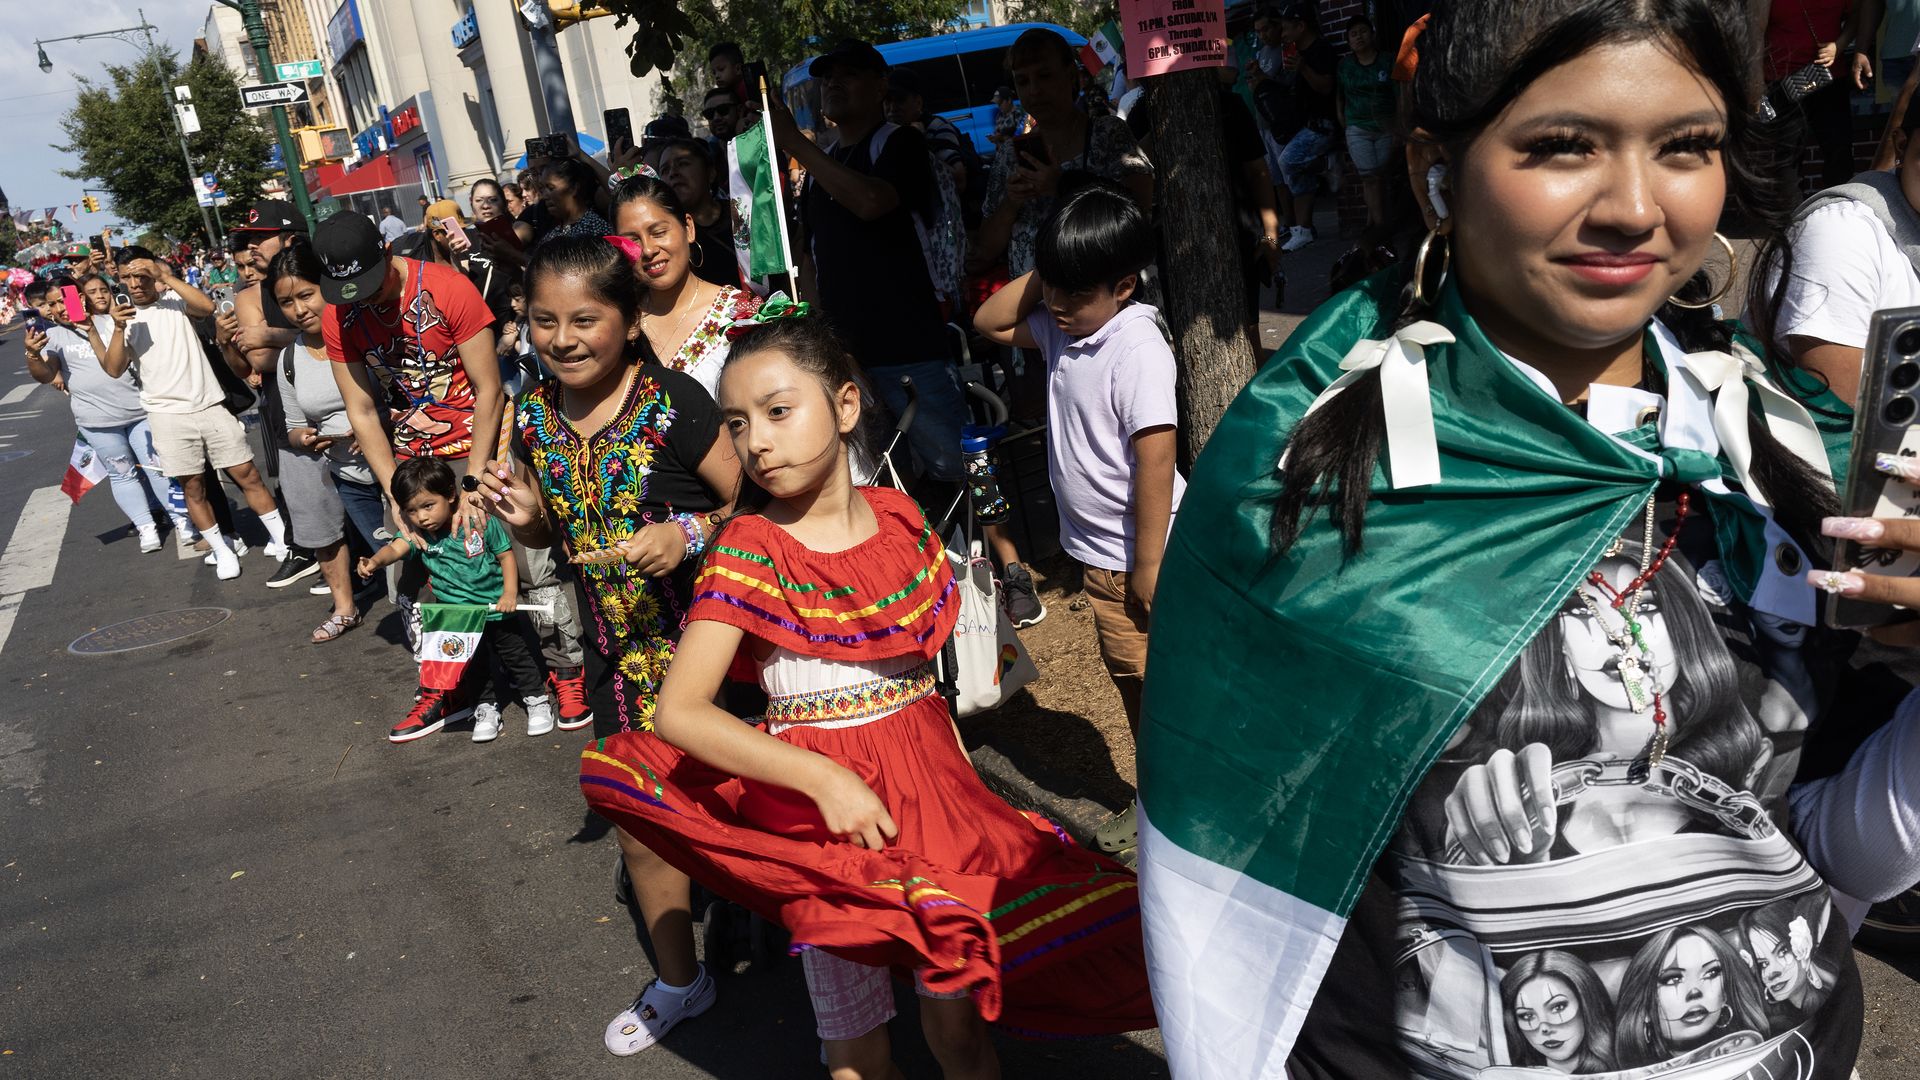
1173, 35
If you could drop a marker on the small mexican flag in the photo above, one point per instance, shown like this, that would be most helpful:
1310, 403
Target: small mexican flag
84, 469
754, 178
1104, 48
449, 636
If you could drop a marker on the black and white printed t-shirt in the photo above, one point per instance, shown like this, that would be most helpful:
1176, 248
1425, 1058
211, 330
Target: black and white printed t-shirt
1643, 923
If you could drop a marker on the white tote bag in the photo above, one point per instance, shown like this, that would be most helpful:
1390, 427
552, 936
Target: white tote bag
988, 663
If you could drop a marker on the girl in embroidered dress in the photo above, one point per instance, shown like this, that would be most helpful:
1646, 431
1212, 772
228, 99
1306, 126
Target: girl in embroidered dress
685, 318
853, 817
622, 464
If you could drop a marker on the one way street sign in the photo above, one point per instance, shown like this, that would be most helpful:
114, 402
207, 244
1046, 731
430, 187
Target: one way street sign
268, 95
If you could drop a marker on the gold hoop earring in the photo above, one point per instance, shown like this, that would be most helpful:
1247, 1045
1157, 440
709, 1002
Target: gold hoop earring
694, 249
1733, 271
1420, 268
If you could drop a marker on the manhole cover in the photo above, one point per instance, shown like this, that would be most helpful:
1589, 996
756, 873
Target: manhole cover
12, 455
149, 630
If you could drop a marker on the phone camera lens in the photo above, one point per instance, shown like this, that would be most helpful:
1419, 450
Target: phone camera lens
1904, 376
1900, 411
1908, 343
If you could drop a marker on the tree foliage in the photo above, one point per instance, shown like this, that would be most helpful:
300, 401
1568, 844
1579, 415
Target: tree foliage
674, 35
124, 138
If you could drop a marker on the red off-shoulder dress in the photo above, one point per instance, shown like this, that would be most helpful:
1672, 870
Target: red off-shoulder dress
972, 895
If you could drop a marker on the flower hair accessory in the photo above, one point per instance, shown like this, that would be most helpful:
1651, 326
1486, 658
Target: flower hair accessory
628, 172
778, 306
1800, 938
627, 248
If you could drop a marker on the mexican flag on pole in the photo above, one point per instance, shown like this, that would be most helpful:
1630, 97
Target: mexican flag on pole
84, 470
754, 179
449, 636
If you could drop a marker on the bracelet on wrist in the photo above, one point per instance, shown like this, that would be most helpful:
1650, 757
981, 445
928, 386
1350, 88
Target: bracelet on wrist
691, 529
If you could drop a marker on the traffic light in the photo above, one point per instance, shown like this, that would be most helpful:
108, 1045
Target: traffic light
90, 204
567, 12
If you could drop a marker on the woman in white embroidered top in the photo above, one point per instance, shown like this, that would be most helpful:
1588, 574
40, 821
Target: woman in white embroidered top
685, 318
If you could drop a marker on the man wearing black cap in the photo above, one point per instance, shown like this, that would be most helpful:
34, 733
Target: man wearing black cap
907, 106
864, 188
415, 339
259, 331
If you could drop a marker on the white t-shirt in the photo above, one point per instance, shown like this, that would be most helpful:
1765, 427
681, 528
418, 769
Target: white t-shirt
97, 401
175, 376
1102, 390
1845, 268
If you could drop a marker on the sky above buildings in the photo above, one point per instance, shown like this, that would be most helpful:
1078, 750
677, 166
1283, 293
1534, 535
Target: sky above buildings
31, 103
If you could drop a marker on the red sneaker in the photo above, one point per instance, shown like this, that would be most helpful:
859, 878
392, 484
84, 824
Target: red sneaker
432, 710
569, 686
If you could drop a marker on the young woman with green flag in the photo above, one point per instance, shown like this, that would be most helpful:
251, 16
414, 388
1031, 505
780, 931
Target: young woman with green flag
1489, 627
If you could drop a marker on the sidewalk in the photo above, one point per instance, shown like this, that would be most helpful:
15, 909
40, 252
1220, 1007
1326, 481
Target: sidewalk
1061, 748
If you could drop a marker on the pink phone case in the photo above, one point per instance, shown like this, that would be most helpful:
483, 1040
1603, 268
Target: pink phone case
76, 308
452, 225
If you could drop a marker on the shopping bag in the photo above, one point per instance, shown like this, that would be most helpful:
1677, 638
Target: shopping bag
984, 661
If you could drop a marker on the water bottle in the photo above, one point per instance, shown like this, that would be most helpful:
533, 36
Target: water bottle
990, 507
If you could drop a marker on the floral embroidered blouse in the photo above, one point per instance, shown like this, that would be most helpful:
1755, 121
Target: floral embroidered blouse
601, 488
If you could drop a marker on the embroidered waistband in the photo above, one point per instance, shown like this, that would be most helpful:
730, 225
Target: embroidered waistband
850, 706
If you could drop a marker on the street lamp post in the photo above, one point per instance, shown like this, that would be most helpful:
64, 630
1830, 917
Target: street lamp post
289, 153
145, 29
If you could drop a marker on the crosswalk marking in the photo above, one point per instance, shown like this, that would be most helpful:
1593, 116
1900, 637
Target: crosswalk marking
18, 394
32, 553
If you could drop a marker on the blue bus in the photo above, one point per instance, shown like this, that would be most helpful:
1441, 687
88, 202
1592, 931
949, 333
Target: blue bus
958, 74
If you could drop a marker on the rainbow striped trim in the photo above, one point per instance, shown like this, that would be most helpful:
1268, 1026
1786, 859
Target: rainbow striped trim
846, 706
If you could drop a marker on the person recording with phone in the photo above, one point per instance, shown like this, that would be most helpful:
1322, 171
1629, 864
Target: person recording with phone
1025, 177
106, 408
186, 403
1848, 259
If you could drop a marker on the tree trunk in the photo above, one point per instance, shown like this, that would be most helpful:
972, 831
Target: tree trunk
1204, 282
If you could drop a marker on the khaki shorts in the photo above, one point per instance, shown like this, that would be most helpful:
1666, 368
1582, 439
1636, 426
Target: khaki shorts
1122, 626
187, 442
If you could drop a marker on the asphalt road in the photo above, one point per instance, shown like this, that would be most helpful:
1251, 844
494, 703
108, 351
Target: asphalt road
213, 865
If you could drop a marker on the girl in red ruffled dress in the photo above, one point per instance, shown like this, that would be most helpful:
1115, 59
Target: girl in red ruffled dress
853, 817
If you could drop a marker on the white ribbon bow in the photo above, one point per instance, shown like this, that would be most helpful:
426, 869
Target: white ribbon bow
1725, 378
1406, 400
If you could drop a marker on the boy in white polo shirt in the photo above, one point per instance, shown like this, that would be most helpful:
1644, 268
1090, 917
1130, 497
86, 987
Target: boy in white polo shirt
185, 402
1111, 418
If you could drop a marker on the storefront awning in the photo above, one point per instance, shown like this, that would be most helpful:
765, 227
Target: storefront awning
377, 173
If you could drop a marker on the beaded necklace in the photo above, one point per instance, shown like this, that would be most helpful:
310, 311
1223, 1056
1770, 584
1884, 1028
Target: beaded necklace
1634, 656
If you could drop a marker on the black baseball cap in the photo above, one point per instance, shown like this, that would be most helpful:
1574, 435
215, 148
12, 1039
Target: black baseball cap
271, 215
354, 256
902, 83
666, 126
850, 54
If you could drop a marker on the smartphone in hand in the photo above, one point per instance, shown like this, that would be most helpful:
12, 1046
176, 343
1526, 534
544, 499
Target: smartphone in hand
452, 226
1884, 425
76, 307
1033, 145
618, 124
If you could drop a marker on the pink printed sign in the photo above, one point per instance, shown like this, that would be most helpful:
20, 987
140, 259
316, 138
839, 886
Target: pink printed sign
1173, 35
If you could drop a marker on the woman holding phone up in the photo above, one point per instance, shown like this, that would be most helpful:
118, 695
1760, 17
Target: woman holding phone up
106, 409
1026, 172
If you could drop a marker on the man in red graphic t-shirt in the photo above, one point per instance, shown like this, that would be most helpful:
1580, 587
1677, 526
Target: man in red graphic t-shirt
418, 338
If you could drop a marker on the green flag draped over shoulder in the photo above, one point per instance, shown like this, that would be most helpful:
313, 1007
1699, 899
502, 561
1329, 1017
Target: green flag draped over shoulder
1293, 702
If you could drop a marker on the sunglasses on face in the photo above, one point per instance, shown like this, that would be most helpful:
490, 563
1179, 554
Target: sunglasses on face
716, 112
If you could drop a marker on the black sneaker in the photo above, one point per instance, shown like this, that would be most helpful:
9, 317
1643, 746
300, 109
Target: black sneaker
1893, 924
1017, 595
296, 565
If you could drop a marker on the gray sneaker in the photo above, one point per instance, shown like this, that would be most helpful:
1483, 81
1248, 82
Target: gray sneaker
486, 722
1018, 596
